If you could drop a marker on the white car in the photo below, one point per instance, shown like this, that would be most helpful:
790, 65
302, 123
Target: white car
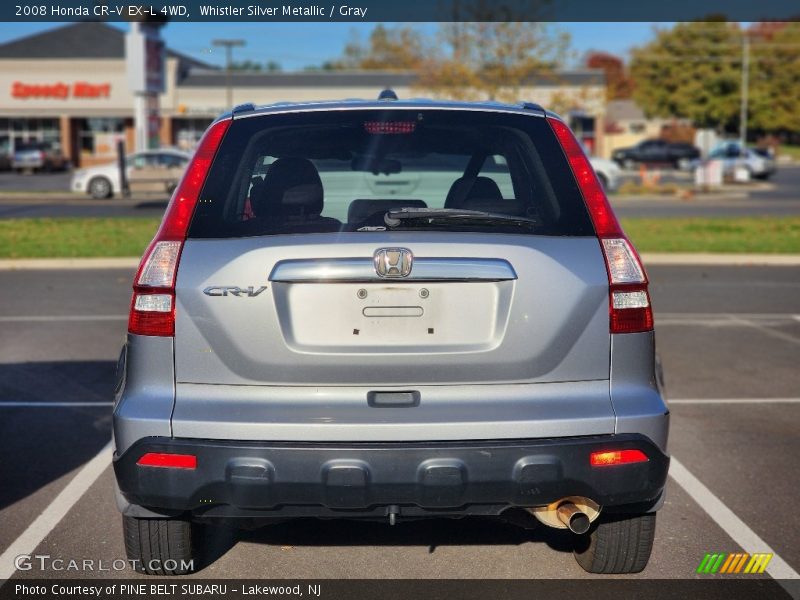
162, 169
608, 172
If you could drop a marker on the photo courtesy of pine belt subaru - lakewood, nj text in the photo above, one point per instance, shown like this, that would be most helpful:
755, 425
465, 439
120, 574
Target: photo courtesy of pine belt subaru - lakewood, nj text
390, 310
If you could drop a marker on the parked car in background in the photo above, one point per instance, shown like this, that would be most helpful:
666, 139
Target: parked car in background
608, 172
760, 164
154, 171
676, 154
39, 156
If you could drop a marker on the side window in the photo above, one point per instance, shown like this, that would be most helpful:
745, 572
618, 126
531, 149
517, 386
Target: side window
171, 161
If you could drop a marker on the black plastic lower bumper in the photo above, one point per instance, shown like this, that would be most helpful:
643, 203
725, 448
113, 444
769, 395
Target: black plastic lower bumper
235, 478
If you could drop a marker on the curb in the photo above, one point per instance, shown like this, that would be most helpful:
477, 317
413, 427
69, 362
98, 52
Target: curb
35, 264
695, 199
649, 258
710, 259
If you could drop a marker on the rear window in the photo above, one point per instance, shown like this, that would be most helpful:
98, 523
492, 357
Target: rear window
30, 146
330, 171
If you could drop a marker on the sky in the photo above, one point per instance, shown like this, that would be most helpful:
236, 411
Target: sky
297, 45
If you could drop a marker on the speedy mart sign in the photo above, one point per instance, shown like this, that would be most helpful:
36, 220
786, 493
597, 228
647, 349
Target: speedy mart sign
59, 90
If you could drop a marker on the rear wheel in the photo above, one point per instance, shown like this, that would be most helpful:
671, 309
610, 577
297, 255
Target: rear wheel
617, 544
160, 546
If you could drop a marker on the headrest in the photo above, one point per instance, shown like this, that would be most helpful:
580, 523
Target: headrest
362, 209
467, 188
292, 187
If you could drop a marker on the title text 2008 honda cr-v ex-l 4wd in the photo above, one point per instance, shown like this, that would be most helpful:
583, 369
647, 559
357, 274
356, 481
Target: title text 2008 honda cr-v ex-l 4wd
390, 310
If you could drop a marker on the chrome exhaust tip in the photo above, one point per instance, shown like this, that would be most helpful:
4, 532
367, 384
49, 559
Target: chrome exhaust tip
575, 519
575, 513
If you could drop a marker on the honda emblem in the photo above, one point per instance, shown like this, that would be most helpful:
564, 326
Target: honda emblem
393, 262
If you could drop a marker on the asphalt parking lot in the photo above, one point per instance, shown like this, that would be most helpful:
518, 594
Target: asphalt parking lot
729, 338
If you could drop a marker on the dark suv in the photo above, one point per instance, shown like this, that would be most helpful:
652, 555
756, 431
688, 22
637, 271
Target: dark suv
679, 155
390, 310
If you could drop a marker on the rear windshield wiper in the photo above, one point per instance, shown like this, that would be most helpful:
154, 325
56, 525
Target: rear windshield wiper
456, 216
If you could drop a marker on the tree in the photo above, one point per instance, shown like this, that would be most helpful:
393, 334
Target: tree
492, 60
618, 83
774, 76
694, 71
691, 71
480, 60
398, 48
251, 65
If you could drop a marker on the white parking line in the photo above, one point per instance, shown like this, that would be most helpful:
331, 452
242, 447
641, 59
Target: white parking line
27, 542
757, 320
48, 318
723, 516
734, 401
722, 316
52, 404
771, 332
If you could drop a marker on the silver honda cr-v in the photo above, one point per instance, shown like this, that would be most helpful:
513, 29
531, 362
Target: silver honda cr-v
390, 310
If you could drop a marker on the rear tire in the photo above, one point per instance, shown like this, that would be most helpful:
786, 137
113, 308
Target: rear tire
617, 544
160, 546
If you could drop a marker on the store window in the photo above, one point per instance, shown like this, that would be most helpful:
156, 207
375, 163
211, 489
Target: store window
188, 132
16, 132
98, 137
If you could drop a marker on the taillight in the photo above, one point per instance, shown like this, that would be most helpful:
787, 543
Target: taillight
610, 458
153, 303
628, 298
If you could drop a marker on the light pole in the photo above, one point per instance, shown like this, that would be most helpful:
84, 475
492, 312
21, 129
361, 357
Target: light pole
228, 45
745, 85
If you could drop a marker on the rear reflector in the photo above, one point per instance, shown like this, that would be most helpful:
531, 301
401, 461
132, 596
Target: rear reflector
617, 457
153, 302
170, 461
629, 308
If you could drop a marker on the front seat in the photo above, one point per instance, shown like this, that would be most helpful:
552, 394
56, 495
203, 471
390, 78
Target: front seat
292, 197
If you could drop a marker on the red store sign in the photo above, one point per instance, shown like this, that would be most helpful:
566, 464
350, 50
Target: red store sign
59, 91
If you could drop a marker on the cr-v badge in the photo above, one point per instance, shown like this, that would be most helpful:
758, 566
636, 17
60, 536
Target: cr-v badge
393, 262
232, 290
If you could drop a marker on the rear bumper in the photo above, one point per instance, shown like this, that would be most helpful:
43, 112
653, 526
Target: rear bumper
361, 479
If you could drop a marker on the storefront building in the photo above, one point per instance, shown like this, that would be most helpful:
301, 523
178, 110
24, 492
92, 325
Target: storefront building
68, 85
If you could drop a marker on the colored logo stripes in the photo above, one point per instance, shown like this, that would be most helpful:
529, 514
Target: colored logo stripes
740, 562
